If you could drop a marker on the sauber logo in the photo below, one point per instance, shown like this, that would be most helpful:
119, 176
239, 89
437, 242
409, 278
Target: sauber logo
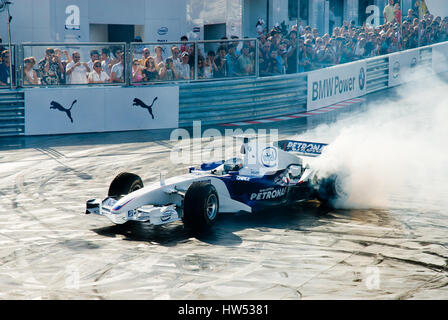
268, 194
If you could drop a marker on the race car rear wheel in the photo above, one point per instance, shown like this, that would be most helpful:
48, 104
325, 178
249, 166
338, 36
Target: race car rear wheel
331, 189
201, 206
123, 184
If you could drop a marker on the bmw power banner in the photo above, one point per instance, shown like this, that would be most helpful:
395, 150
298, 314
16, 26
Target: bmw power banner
100, 109
402, 66
336, 84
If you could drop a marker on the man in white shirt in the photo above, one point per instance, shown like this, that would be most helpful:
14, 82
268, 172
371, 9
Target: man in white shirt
175, 57
183, 70
76, 70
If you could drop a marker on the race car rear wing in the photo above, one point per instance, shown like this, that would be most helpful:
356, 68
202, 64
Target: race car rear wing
304, 148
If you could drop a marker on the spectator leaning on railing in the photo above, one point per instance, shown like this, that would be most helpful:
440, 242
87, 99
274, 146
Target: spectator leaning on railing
50, 68
105, 60
30, 75
76, 70
137, 74
167, 70
183, 70
150, 72
94, 55
98, 75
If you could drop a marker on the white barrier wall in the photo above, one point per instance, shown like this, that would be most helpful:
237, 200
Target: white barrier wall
332, 85
440, 58
402, 66
100, 109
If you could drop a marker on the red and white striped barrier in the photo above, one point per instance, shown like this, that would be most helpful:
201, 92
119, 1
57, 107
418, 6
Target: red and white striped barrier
333, 107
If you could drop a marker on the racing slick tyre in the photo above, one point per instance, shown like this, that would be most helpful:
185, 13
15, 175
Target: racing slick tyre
123, 184
201, 206
330, 190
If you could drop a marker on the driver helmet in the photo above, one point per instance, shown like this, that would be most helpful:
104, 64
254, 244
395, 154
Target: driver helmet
234, 164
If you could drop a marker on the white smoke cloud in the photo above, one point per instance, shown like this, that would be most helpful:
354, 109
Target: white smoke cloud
396, 154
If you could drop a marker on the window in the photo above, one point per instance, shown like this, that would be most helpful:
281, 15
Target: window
292, 9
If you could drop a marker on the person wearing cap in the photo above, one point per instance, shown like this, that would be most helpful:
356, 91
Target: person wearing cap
184, 70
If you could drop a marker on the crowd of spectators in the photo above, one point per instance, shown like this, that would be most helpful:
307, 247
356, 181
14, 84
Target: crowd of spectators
278, 47
280, 51
60, 67
232, 58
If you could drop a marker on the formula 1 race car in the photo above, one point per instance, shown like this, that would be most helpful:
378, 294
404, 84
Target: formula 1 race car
264, 177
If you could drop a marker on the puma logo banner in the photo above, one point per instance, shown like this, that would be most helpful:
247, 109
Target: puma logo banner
57, 106
140, 103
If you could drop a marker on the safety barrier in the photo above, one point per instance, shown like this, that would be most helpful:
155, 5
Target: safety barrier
236, 100
12, 113
250, 98
377, 74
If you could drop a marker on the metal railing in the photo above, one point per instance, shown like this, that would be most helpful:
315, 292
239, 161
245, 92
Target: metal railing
202, 58
65, 64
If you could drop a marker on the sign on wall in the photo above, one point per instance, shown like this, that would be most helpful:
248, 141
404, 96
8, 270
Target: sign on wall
69, 20
336, 84
402, 65
162, 30
106, 109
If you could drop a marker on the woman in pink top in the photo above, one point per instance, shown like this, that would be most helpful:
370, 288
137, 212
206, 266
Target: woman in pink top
137, 75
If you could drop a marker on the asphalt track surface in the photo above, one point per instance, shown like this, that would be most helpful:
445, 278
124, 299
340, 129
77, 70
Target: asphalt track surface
49, 249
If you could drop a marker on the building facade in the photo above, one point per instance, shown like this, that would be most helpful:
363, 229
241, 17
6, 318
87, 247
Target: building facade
168, 20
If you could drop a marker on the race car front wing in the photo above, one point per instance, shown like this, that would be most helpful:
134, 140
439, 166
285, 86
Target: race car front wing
155, 215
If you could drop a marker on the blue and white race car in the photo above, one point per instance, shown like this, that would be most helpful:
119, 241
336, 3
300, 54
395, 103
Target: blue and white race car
263, 177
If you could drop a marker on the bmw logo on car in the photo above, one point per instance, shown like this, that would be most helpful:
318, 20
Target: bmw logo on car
269, 157
362, 79
162, 31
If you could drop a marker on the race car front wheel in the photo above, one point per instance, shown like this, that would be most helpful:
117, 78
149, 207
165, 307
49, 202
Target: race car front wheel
123, 184
201, 206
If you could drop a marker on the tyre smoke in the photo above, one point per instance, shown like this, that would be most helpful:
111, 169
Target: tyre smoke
395, 155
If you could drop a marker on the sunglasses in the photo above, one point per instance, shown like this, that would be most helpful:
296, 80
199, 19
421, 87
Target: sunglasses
97, 66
